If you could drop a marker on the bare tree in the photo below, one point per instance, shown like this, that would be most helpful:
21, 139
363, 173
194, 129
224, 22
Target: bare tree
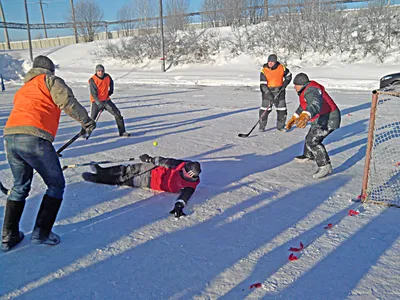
233, 11
175, 9
212, 12
257, 10
224, 12
88, 16
380, 18
124, 14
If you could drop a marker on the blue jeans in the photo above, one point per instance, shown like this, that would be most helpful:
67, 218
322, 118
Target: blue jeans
27, 152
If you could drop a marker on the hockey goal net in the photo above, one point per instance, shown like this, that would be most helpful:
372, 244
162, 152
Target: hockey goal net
381, 180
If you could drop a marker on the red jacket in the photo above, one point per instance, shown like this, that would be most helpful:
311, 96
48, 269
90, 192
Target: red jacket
328, 105
170, 179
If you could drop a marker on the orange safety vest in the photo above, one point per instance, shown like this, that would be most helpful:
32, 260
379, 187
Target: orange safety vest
103, 86
170, 180
274, 77
34, 106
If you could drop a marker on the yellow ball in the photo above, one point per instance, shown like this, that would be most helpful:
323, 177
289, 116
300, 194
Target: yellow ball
155, 144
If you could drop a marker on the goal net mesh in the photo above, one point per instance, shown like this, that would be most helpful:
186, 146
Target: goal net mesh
384, 171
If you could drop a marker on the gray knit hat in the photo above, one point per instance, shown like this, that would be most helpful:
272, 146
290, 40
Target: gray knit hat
273, 58
43, 62
99, 68
301, 79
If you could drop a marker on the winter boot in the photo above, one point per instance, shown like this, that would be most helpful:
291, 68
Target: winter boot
11, 236
121, 127
303, 158
125, 134
46, 217
323, 171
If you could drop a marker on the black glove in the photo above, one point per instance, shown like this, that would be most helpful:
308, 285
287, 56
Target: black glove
110, 93
88, 126
178, 210
145, 158
101, 104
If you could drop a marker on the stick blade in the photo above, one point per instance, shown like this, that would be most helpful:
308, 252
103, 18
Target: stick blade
3, 189
243, 135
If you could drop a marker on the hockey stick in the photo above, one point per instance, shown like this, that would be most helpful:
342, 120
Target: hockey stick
63, 147
245, 135
96, 163
77, 136
3, 189
97, 118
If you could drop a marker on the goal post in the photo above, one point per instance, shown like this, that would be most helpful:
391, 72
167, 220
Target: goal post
381, 178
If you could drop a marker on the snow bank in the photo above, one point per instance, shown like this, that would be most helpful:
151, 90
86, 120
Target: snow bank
12, 68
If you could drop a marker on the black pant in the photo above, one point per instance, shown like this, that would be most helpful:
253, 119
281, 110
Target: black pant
320, 129
112, 109
313, 146
280, 105
136, 175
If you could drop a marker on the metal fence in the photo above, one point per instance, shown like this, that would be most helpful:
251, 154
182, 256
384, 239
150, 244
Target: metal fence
58, 41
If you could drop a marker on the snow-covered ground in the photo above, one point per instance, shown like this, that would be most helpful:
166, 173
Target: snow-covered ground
254, 202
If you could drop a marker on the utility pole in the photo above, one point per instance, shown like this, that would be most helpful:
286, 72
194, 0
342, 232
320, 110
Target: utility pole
162, 38
106, 26
266, 12
29, 31
74, 21
44, 23
5, 27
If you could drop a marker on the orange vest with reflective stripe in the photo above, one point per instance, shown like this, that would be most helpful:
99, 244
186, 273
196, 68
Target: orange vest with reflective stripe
274, 77
34, 106
102, 88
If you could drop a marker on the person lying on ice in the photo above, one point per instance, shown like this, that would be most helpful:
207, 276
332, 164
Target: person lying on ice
157, 173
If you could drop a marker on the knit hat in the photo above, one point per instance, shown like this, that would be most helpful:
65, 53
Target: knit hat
99, 68
43, 62
301, 79
193, 167
273, 58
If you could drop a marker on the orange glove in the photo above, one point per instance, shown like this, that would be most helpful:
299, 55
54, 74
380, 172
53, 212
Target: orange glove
303, 120
291, 122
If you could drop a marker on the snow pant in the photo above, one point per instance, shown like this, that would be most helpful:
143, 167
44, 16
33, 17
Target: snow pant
136, 175
280, 104
112, 109
320, 129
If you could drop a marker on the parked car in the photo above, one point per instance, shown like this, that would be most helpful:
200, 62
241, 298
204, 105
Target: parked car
389, 79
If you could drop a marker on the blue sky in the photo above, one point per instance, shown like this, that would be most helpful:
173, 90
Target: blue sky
56, 11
